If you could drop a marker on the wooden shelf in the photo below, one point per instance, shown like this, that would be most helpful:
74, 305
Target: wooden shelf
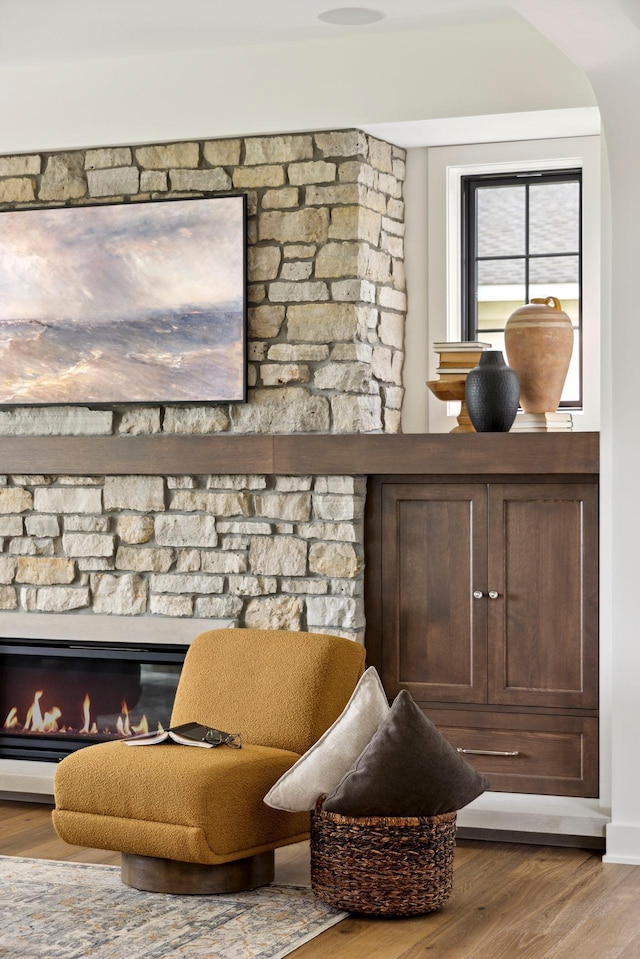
439, 453
301, 454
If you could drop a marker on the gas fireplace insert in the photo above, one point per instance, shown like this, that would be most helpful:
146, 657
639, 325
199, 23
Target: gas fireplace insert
58, 696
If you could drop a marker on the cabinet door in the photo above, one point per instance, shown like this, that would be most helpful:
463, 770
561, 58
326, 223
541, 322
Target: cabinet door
543, 625
433, 558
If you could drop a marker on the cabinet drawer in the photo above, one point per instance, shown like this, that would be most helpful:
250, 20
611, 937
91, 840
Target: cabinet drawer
556, 755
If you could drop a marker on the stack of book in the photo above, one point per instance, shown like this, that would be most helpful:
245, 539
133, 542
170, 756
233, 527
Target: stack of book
456, 359
542, 423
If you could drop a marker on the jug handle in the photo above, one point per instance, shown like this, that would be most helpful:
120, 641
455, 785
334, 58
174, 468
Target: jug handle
548, 300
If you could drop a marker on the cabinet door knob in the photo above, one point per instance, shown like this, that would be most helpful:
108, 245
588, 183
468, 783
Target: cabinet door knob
493, 594
478, 594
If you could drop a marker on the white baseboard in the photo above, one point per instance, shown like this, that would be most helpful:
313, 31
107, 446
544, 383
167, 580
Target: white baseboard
551, 815
623, 844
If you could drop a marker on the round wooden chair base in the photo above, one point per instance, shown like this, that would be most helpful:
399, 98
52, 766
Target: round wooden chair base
192, 878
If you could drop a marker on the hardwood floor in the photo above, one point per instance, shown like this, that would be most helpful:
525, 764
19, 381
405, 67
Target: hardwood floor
510, 901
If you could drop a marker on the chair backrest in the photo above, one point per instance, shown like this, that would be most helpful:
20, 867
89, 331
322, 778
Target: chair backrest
276, 688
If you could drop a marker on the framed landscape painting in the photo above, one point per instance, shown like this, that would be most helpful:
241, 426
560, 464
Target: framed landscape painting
127, 303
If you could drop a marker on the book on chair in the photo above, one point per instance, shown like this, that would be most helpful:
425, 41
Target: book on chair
188, 734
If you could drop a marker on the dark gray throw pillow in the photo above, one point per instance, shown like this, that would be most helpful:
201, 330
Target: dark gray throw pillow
408, 769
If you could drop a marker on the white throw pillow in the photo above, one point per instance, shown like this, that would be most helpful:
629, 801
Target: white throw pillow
323, 766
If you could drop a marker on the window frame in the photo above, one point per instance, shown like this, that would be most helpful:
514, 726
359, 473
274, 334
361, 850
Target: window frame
469, 186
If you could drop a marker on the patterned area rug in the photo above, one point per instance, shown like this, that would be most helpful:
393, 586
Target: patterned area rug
64, 910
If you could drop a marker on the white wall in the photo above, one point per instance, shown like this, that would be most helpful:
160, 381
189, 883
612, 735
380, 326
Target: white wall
452, 70
604, 38
417, 336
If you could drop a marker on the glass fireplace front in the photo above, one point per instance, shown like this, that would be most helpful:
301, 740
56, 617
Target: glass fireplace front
58, 696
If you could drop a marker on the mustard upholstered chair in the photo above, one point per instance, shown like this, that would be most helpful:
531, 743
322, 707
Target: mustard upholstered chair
193, 820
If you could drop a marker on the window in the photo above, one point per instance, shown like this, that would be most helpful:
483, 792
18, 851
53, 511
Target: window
521, 238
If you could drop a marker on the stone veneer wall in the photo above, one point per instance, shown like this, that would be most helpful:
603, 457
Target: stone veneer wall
326, 318
274, 552
326, 279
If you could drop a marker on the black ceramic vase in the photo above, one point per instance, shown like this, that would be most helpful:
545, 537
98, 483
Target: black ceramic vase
492, 393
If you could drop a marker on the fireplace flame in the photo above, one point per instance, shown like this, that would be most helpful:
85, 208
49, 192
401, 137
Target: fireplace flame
50, 720
86, 713
34, 715
38, 722
122, 722
142, 726
12, 719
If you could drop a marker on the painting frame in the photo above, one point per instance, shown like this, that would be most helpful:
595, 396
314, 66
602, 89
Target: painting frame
139, 303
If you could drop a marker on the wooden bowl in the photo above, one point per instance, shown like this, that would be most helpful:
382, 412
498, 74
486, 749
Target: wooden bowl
451, 388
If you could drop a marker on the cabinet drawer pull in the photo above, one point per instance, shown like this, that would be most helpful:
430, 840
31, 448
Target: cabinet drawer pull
488, 752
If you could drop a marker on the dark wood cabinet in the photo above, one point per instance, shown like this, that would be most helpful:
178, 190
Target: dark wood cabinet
432, 555
543, 625
529, 752
482, 601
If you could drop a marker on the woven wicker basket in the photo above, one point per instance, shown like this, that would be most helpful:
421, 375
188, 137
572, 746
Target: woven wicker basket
383, 866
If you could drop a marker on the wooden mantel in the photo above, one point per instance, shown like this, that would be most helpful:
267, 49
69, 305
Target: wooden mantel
303, 453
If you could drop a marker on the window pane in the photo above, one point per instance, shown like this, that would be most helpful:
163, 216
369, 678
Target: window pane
497, 342
557, 276
501, 221
500, 272
500, 290
554, 269
554, 217
493, 314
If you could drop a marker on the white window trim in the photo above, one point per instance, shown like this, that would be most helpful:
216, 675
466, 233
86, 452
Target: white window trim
446, 167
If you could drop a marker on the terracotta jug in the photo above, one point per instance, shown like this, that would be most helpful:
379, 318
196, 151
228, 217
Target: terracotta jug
538, 339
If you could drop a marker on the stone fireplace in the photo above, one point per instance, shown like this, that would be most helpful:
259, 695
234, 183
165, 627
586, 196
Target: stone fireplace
326, 310
327, 302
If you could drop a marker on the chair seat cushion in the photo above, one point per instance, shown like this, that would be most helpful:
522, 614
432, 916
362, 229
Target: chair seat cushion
205, 804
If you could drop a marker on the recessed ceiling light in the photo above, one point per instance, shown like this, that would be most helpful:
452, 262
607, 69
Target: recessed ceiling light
351, 16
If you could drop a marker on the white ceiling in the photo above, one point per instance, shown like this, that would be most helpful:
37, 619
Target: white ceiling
78, 73
95, 29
